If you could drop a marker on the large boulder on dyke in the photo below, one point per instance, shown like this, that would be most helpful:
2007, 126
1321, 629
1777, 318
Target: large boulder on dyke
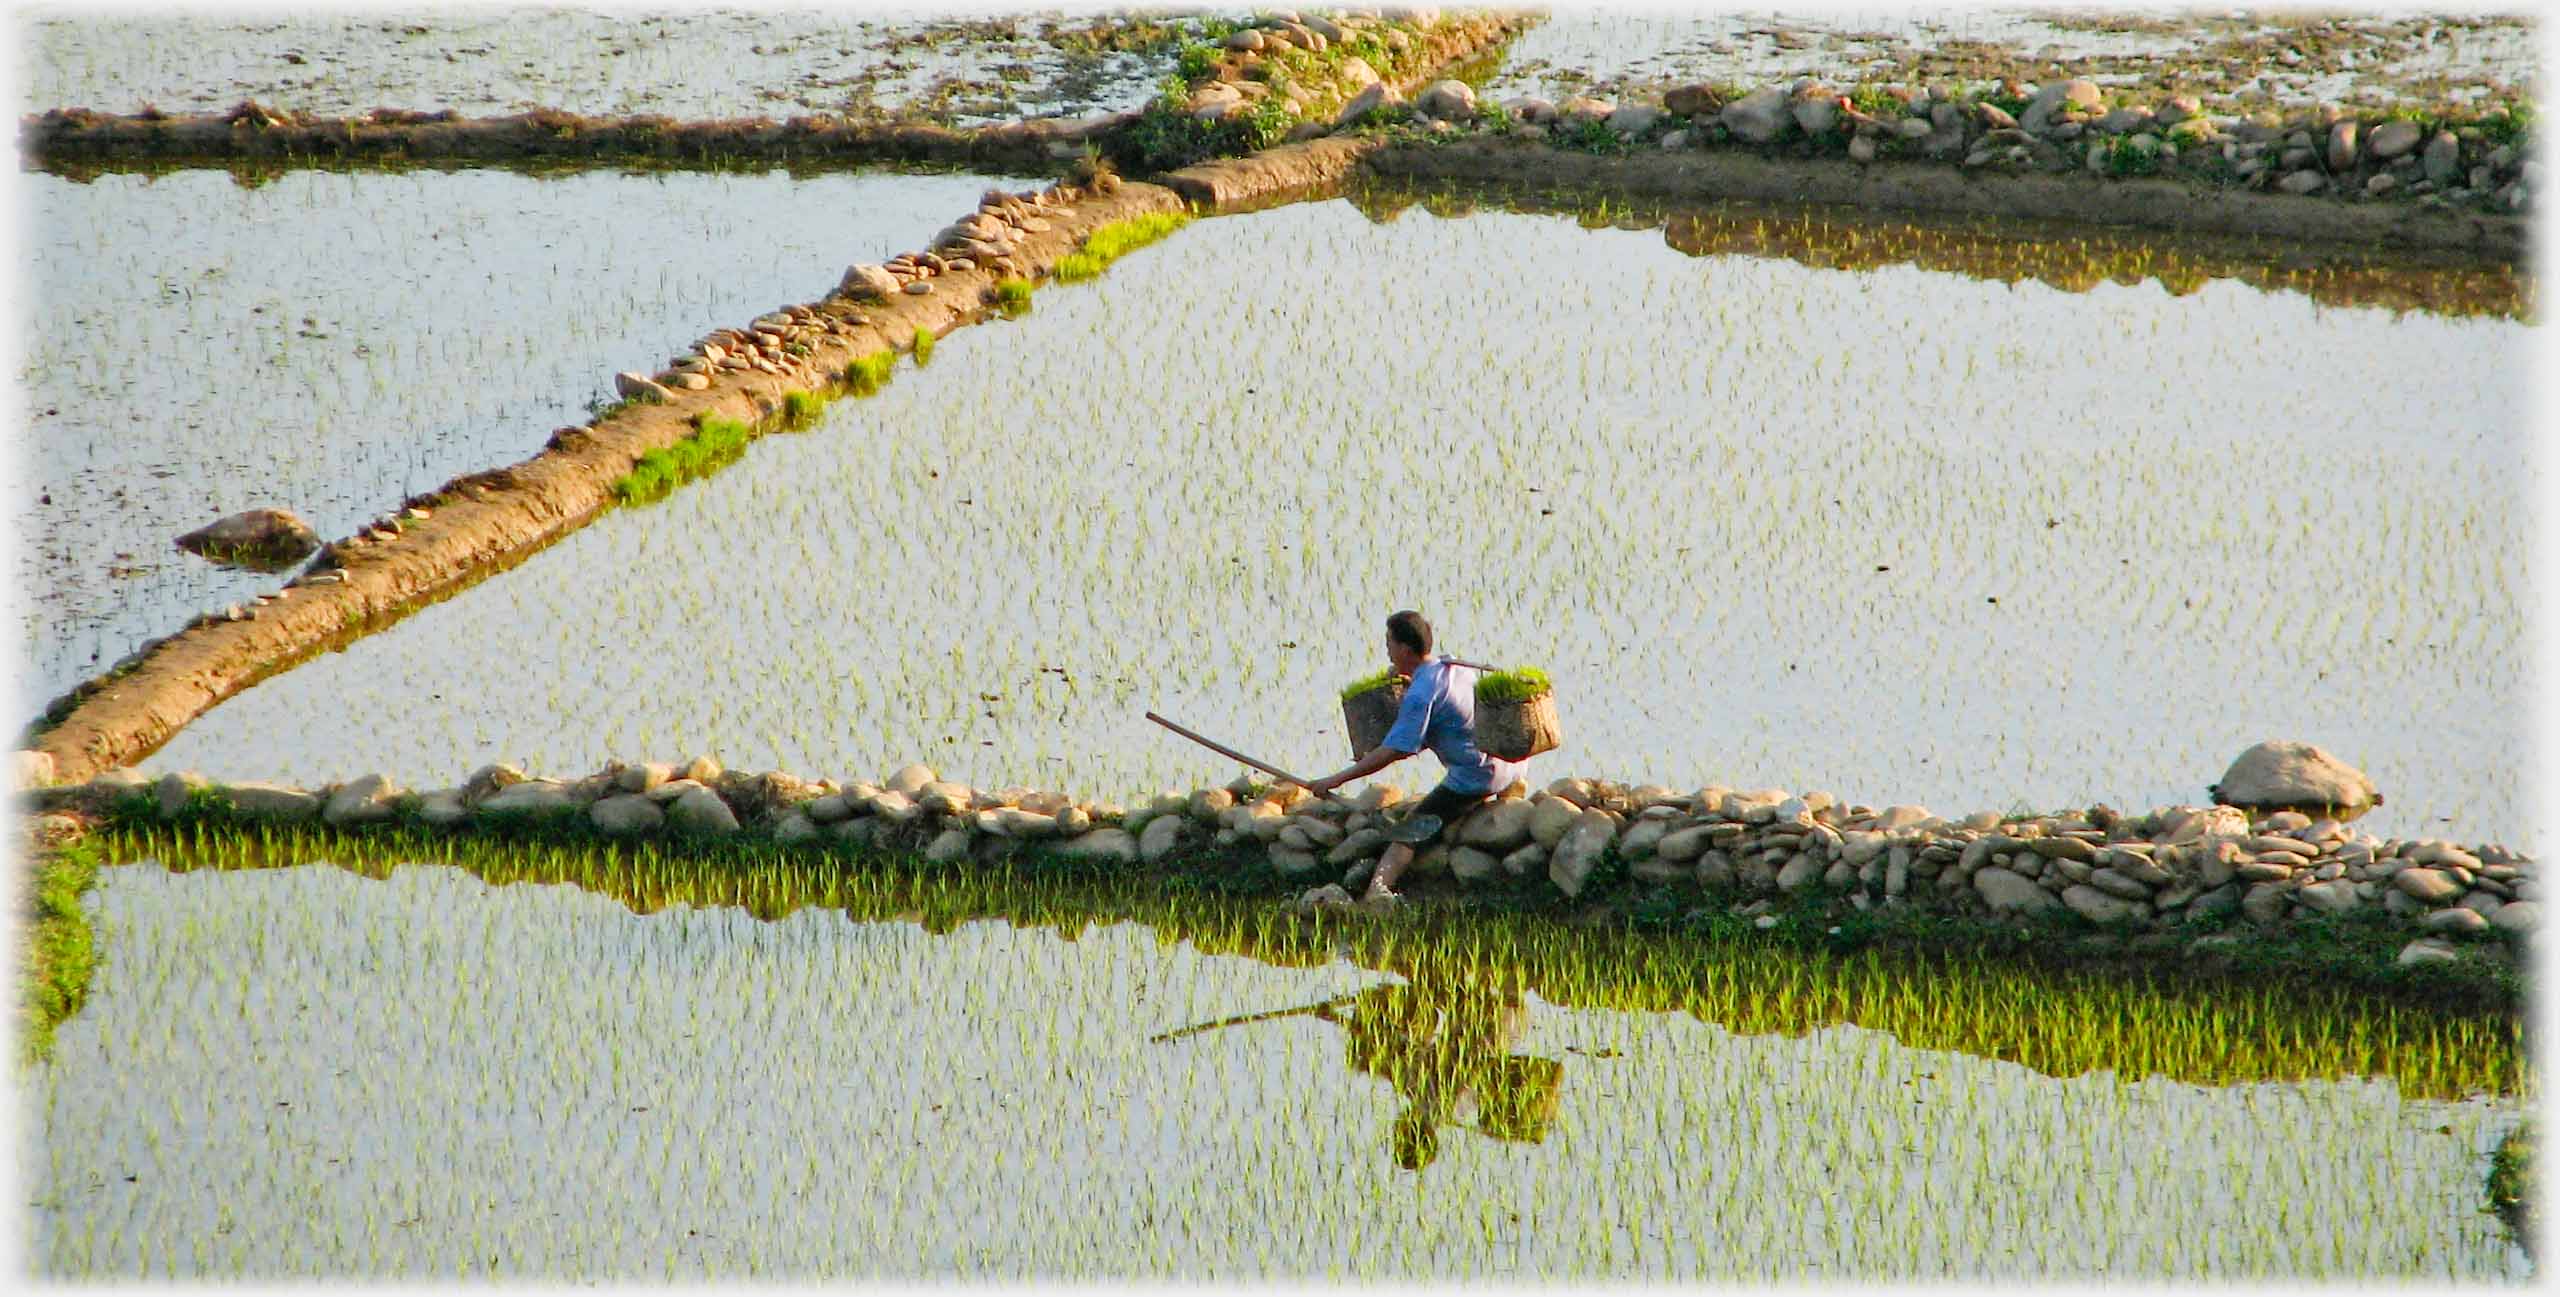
263, 539
1761, 117
1448, 101
1373, 96
2280, 775
1580, 850
366, 800
867, 282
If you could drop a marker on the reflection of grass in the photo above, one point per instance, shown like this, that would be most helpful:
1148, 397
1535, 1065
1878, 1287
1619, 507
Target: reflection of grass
1793, 980
2512, 1186
61, 951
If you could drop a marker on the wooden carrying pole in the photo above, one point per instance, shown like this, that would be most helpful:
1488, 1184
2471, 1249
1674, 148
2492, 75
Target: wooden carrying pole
1223, 750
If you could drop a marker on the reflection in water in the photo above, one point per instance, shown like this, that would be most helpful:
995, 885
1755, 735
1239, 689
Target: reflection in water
701, 1093
2073, 258
1445, 1045
2059, 1023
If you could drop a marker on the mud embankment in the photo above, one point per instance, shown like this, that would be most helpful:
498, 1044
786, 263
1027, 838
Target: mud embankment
78, 140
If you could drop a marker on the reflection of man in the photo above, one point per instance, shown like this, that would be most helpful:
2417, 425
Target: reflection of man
1445, 1047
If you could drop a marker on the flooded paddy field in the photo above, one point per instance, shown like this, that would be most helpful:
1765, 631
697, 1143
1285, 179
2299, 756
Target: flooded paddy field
2232, 59
884, 1073
1903, 533
202, 342
950, 65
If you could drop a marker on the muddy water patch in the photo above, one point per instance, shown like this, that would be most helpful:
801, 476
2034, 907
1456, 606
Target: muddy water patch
779, 63
999, 1101
1898, 534
332, 343
2233, 59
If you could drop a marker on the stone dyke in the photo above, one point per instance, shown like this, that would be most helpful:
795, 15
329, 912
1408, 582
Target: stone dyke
1756, 851
431, 545
2066, 156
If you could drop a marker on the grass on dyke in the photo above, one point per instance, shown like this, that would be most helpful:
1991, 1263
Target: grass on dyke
868, 374
61, 952
1517, 685
923, 346
801, 409
1788, 981
1364, 684
716, 442
1013, 295
1117, 240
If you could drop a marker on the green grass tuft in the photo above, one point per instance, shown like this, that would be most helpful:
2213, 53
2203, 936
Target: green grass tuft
1117, 240
1517, 685
868, 374
923, 346
1366, 683
714, 444
800, 409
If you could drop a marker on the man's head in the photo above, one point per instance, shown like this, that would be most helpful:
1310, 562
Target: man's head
1408, 641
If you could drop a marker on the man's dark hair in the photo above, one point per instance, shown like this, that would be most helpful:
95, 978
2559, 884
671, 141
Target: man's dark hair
1409, 629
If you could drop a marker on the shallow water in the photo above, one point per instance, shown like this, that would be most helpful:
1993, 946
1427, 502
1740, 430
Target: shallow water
333, 343
587, 1092
1584, 46
780, 62
1899, 534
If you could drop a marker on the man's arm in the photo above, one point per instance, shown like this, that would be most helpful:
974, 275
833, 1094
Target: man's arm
1379, 758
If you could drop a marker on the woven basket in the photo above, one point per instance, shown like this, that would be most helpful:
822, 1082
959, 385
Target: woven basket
1369, 716
1517, 731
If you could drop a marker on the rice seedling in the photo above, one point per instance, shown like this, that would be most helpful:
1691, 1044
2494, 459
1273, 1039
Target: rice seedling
922, 347
1013, 296
1374, 680
1516, 685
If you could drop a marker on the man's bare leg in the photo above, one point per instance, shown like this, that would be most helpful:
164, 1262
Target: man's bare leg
1390, 868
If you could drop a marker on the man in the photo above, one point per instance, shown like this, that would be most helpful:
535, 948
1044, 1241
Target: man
1439, 713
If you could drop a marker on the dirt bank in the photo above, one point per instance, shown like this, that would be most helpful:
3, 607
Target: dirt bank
79, 140
1916, 186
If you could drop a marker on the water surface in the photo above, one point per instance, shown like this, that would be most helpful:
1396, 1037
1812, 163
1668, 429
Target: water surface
699, 1094
333, 343
1900, 534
